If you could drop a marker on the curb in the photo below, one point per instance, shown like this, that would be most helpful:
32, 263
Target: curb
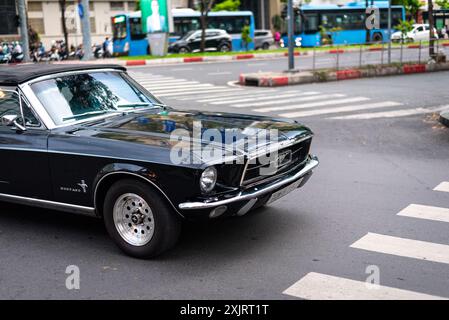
283, 79
444, 118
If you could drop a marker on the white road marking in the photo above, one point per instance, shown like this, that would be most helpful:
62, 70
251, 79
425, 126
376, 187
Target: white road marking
208, 90
313, 104
443, 186
425, 212
390, 114
315, 96
187, 88
219, 73
403, 247
175, 85
164, 81
262, 97
243, 95
216, 97
318, 286
181, 69
340, 109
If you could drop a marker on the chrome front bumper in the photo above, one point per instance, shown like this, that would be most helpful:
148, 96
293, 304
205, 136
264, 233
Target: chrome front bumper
255, 192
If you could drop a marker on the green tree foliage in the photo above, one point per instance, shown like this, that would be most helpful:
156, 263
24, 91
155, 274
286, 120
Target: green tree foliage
227, 5
246, 36
443, 4
405, 27
411, 6
276, 21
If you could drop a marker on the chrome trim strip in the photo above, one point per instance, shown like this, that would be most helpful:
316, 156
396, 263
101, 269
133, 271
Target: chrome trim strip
247, 195
277, 147
40, 109
136, 175
46, 204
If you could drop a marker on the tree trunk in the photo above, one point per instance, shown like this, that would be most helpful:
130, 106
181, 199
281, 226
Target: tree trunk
203, 31
432, 34
62, 5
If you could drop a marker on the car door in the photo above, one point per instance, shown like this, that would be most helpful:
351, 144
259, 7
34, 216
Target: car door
421, 34
195, 42
24, 169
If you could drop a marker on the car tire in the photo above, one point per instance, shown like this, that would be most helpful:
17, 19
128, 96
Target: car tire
183, 50
224, 48
139, 219
377, 37
266, 46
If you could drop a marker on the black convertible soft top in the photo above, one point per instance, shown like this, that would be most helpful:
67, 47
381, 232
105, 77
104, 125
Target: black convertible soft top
14, 75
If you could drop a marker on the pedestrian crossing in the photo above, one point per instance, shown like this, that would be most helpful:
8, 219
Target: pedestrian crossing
322, 286
279, 102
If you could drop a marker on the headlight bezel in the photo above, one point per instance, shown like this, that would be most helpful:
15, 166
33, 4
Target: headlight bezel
208, 179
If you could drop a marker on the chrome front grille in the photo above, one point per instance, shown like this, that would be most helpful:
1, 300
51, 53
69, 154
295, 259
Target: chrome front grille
289, 158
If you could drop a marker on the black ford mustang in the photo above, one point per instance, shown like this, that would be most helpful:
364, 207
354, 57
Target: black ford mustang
88, 139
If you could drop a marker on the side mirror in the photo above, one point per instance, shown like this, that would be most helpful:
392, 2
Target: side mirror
12, 121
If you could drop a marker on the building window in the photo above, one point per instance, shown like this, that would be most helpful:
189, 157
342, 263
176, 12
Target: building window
35, 6
37, 24
132, 6
93, 27
91, 6
117, 6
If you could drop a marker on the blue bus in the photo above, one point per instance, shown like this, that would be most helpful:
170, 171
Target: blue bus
340, 24
129, 39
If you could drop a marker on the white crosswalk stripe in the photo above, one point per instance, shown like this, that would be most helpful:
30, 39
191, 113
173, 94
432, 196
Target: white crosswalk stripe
318, 286
294, 97
313, 104
425, 212
443, 186
340, 109
261, 98
403, 247
276, 101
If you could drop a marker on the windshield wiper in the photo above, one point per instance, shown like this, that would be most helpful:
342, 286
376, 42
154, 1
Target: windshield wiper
86, 114
139, 104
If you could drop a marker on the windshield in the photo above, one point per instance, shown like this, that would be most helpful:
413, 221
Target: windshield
119, 27
187, 35
77, 97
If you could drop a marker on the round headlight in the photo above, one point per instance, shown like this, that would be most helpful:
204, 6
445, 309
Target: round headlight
208, 179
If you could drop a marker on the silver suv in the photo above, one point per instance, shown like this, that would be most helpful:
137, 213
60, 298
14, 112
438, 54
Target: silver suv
263, 39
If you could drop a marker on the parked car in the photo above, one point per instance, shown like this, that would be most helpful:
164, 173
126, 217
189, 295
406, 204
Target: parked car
420, 32
216, 40
89, 139
263, 39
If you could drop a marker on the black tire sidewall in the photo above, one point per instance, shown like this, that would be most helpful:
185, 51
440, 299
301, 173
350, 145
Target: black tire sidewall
166, 223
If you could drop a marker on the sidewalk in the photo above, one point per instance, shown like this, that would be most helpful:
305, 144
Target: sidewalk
246, 56
273, 79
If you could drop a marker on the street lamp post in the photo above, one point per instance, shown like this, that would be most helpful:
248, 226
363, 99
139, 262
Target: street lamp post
85, 26
291, 45
389, 31
24, 29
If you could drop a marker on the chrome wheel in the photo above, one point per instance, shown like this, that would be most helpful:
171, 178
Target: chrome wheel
133, 219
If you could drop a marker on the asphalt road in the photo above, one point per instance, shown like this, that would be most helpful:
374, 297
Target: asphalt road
370, 170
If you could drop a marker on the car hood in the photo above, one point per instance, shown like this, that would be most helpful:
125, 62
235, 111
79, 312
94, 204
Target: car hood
165, 128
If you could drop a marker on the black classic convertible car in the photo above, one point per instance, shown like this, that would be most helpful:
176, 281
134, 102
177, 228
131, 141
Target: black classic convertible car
89, 139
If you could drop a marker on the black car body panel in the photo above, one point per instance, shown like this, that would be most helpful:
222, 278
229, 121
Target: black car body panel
71, 167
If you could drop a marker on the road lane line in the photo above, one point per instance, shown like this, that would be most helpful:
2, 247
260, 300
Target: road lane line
402, 247
219, 73
318, 286
425, 212
176, 87
264, 98
389, 114
315, 96
245, 94
187, 88
165, 81
385, 104
443, 186
191, 92
216, 97
313, 104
